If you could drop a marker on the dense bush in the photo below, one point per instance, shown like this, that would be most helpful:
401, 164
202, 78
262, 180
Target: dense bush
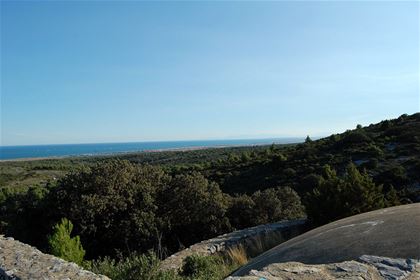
118, 207
134, 267
112, 205
146, 267
194, 209
268, 206
356, 137
272, 205
241, 212
339, 197
25, 215
203, 268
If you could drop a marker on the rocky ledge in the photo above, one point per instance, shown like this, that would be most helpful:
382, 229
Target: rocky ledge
21, 261
286, 229
366, 267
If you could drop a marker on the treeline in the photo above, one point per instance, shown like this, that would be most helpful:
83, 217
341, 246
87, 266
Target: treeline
389, 151
23, 174
118, 207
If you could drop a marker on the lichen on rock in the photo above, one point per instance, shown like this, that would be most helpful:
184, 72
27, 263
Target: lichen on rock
366, 267
20, 261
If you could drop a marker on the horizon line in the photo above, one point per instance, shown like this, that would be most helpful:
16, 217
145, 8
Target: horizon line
157, 141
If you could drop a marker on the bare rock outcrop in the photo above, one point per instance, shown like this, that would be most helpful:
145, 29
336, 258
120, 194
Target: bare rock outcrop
392, 232
366, 267
20, 261
287, 230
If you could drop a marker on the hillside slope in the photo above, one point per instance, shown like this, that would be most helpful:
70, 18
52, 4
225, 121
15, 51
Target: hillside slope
389, 151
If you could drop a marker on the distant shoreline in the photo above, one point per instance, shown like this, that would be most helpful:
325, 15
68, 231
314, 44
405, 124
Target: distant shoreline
180, 149
115, 153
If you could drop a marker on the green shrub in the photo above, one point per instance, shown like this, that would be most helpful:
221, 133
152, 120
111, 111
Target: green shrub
146, 267
24, 215
241, 211
64, 246
133, 267
336, 197
112, 205
194, 208
268, 206
204, 267
275, 204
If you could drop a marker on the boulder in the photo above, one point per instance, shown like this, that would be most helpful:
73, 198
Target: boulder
21, 261
366, 267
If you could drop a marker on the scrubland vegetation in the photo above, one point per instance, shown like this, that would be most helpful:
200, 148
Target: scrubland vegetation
126, 212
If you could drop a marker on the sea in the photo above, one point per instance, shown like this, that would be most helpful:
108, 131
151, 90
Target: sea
67, 150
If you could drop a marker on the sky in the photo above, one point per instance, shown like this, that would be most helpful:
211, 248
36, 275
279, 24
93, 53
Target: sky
115, 71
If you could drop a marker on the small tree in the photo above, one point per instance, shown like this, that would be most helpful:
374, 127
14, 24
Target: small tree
335, 198
308, 139
63, 246
392, 197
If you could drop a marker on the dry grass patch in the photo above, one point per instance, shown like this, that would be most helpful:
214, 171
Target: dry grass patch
237, 255
261, 243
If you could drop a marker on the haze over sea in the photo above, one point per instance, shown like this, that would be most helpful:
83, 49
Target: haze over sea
43, 151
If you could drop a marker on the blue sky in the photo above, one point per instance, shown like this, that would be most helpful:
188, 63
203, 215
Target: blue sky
80, 72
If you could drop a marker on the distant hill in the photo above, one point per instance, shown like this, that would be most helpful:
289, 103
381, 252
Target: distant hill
389, 151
